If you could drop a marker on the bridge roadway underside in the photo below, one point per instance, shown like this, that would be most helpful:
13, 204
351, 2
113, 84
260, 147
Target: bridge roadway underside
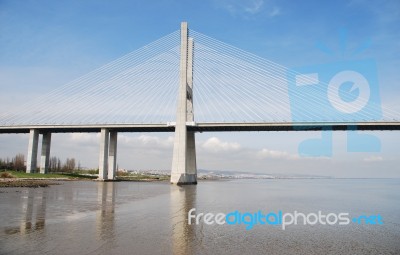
207, 127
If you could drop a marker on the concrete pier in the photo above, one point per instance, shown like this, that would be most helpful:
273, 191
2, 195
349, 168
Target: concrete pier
108, 155
31, 161
103, 156
45, 157
184, 170
112, 156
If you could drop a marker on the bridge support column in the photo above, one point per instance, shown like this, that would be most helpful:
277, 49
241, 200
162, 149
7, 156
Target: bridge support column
45, 158
184, 170
191, 166
31, 161
112, 155
108, 154
103, 157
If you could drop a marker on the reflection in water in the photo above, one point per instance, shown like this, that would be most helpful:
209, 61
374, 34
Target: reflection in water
183, 198
34, 208
105, 223
41, 211
151, 218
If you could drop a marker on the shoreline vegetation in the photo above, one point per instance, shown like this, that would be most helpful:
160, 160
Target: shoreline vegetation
36, 180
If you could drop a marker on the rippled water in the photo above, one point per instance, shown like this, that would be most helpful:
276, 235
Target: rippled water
151, 218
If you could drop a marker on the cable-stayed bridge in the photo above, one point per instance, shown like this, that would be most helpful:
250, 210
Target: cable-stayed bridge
187, 82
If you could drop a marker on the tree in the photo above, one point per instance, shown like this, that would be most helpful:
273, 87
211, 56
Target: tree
16, 163
69, 165
53, 164
58, 165
19, 162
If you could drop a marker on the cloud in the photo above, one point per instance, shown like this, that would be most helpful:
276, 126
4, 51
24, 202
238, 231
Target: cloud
143, 140
373, 159
249, 8
265, 153
213, 144
150, 141
274, 12
85, 137
255, 7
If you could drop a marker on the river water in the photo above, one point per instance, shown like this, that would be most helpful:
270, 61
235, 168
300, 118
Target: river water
85, 217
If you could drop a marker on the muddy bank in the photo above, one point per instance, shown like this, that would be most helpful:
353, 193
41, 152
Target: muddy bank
13, 183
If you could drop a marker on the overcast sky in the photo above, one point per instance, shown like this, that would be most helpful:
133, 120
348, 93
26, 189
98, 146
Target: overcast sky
45, 44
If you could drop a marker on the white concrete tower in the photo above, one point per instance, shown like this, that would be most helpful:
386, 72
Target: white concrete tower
184, 169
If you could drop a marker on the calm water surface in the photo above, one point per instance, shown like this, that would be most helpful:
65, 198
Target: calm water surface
151, 218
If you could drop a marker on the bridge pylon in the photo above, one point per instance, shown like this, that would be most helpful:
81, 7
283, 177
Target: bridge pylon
184, 169
108, 155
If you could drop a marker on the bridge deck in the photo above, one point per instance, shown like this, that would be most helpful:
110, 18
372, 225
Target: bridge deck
207, 127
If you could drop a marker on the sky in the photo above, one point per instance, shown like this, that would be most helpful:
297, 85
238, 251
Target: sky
46, 44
